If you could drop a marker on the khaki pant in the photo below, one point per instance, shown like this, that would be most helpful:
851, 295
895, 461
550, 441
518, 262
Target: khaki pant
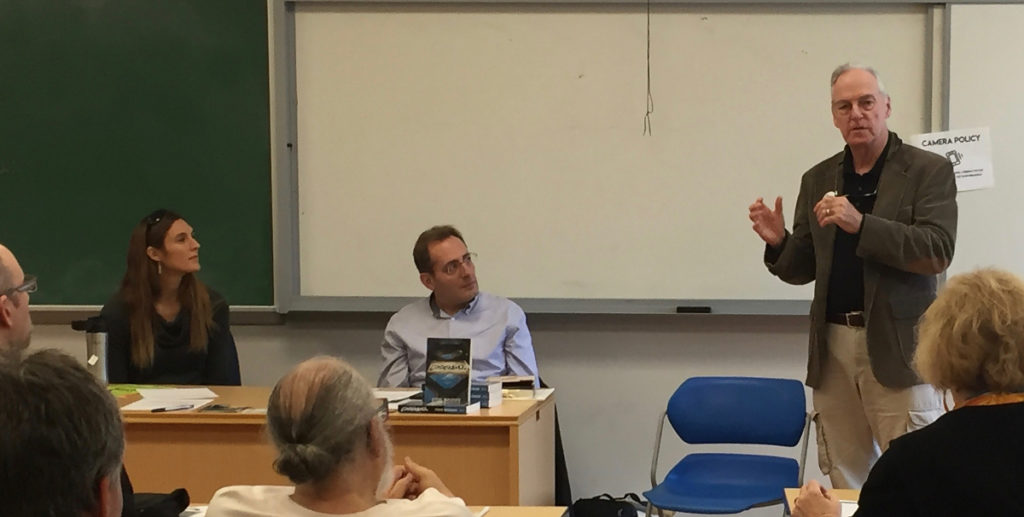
856, 417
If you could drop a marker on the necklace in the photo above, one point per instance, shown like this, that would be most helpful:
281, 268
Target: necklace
994, 399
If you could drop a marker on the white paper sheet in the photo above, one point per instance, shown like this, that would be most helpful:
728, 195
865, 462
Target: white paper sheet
848, 508
196, 510
149, 404
542, 393
396, 395
527, 394
177, 393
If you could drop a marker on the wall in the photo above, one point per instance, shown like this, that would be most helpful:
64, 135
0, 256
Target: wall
987, 61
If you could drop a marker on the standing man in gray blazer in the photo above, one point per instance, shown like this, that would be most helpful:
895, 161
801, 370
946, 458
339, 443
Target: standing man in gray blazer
875, 226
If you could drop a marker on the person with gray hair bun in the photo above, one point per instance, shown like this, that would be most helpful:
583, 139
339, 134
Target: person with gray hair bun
322, 418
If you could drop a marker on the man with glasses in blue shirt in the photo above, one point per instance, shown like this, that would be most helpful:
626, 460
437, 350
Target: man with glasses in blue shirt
15, 288
875, 227
455, 309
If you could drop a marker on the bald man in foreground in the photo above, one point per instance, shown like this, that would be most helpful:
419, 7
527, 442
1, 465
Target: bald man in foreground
15, 288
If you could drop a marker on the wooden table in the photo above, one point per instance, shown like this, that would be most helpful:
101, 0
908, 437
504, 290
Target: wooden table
522, 511
844, 494
500, 457
495, 511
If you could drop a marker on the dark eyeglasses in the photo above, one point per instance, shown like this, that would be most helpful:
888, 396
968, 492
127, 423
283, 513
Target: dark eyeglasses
155, 218
30, 285
856, 198
382, 408
452, 267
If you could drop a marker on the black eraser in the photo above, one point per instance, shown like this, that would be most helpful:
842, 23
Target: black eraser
693, 309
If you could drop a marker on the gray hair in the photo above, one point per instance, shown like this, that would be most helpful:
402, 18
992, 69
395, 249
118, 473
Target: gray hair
846, 67
318, 417
62, 434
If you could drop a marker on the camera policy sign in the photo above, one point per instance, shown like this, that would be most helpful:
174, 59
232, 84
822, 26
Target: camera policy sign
970, 152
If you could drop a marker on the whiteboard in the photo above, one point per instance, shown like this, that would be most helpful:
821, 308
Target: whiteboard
986, 66
522, 125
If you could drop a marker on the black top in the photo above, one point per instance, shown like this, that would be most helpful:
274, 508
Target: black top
173, 362
846, 280
968, 462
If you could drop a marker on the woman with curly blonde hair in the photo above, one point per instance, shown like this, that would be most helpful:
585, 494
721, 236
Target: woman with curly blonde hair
971, 460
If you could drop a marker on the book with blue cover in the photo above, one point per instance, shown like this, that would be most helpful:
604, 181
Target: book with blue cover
419, 406
449, 369
488, 395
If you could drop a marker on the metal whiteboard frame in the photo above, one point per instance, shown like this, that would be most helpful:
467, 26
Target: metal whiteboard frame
284, 166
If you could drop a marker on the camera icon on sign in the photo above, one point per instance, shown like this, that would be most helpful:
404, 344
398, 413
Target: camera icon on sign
954, 157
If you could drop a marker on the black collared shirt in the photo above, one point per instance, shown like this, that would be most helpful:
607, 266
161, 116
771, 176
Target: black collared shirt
846, 280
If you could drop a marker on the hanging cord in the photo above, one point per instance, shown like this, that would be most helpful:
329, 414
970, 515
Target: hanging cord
650, 99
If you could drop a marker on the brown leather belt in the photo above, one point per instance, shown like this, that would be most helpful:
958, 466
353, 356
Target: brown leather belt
850, 319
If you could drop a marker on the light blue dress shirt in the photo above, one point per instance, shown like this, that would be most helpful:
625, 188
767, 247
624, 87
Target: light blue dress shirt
497, 326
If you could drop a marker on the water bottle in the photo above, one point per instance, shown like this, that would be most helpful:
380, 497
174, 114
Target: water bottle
95, 329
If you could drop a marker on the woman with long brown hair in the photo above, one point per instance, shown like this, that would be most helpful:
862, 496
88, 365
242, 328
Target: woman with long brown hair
164, 325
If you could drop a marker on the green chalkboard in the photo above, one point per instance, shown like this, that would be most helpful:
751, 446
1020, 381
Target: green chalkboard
112, 108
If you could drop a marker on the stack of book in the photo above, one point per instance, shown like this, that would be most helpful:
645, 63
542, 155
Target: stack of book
437, 406
488, 395
518, 382
516, 386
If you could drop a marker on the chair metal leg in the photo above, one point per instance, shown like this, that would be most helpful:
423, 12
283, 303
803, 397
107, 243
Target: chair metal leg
654, 461
650, 507
657, 449
803, 450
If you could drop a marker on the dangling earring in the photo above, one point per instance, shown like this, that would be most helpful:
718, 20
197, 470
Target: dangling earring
159, 269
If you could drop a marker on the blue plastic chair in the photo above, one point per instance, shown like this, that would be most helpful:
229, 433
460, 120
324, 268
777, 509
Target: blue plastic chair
731, 410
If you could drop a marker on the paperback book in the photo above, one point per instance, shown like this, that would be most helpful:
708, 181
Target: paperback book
449, 369
419, 406
488, 395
